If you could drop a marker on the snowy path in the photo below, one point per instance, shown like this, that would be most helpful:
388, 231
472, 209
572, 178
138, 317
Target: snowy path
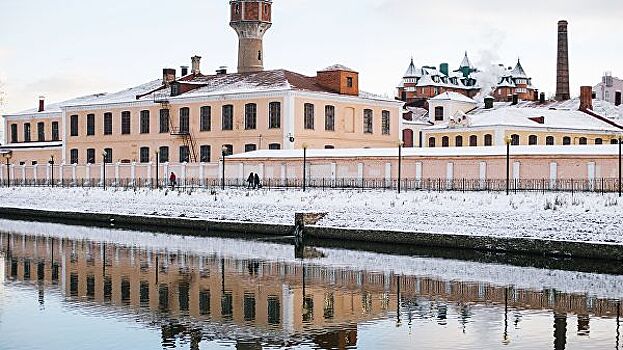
582, 217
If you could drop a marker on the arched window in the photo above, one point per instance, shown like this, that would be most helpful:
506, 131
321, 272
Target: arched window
549, 140
185, 120
445, 141
583, 141
599, 141
458, 141
250, 116
515, 140
431, 142
566, 140
227, 122
274, 113
438, 113
145, 122
488, 140
473, 141
533, 140
205, 121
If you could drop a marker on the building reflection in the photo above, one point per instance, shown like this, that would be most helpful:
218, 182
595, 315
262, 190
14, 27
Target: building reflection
195, 297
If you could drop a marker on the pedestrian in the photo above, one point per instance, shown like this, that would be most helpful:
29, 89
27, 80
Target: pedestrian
256, 182
172, 180
250, 181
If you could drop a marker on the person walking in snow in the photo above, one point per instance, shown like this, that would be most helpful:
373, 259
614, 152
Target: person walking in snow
250, 181
256, 181
172, 180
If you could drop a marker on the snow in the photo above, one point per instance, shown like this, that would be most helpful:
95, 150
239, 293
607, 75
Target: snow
452, 96
592, 284
555, 216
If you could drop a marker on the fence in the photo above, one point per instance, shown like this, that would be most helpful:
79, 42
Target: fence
602, 185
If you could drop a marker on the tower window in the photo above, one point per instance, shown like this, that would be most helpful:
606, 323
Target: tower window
259, 55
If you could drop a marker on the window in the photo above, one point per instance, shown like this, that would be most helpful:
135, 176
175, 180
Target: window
91, 155
445, 141
549, 140
249, 307
40, 131
185, 120
73, 156
107, 123
13, 133
204, 153
228, 117
329, 147
583, 141
250, 147
164, 121
473, 141
250, 116
367, 121
386, 122
614, 142
274, 146
515, 140
309, 116
458, 141
26, 132
144, 122
349, 82
90, 124
566, 140
599, 141
228, 150
144, 155
184, 154
274, 310
163, 154
74, 125
55, 134
431, 142
108, 156
205, 121
274, 115
329, 118
438, 113
488, 140
125, 123
533, 140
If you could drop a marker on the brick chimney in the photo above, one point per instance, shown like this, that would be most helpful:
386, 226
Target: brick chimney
562, 70
488, 102
542, 98
184, 70
196, 65
586, 98
168, 76
41, 103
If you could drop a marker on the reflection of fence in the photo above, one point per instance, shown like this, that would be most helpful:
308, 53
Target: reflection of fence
602, 185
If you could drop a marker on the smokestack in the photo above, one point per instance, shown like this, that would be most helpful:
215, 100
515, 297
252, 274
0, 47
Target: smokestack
41, 103
562, 72
184, 70
168, 76
586, 98
617, 98
542, 98
196, 65
515, 99
488, 102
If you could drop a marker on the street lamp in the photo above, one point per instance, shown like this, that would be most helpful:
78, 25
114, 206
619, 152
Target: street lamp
400, 144
104, 156
157, 166
8, 156
304, 166
223, 154
508, 141
52, 166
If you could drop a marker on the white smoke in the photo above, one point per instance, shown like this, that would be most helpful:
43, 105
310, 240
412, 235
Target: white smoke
489, 73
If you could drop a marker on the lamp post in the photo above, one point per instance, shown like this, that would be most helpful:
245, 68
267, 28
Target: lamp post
223, 153
52, 166
104, 155
399, 165
508, 141
157, 166
304, 166
8, 156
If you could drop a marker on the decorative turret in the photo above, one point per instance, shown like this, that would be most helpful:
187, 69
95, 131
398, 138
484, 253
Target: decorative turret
250, 19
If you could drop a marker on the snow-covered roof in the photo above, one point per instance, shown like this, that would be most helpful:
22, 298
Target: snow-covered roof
466, 62
412, 72
518, 71
452, 96
337, 67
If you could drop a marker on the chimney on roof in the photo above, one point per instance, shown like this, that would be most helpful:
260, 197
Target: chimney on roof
41, 103
168, 76
515, 99
196, 65
617, 98
444, 68
542, 98
586, 98
222, 70
488, 102
562, 72
184, 70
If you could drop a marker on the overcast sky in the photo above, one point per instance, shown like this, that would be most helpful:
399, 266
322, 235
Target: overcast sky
67, 48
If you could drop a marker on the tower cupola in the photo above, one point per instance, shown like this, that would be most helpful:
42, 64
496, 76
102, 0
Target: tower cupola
251, 19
